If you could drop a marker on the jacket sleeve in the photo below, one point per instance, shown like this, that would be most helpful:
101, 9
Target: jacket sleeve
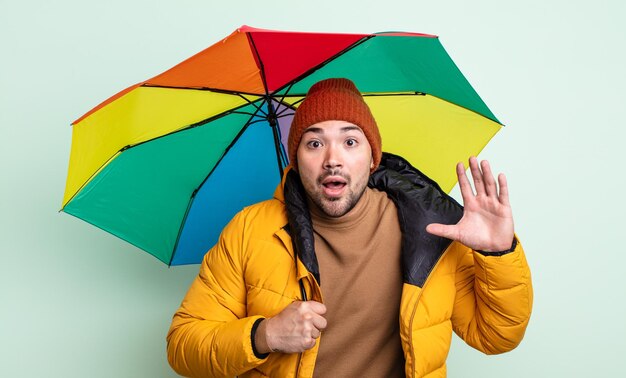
493, 298
210, 335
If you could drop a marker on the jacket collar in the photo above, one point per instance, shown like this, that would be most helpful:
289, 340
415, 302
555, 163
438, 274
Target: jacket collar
419, 200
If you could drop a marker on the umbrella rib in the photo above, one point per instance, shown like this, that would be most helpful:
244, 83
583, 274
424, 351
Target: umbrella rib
295, 102
412, 93
209, 89
279, 156
261, 65
469, 110
257, 121
277, 137
265, 120
281, 101
273, 121
280, 150
215, 90
95, 173
289, 106
246, 113
197, 189
271, 114
281, 115
182, 225
258, 108
282, 98
416, 93
330, 59
188, 127
194, 125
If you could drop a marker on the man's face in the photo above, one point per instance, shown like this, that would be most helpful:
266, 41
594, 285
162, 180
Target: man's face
334, 162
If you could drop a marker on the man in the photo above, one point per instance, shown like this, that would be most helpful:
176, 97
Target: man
359, 267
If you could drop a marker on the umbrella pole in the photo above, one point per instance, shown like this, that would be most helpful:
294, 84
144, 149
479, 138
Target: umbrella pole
272, 119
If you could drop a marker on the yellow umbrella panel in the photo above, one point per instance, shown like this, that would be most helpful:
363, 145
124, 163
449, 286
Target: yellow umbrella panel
431, 133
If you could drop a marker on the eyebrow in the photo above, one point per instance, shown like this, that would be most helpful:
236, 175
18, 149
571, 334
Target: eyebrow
319, 130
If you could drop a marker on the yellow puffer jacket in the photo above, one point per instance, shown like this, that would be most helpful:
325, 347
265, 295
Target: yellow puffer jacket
264, 260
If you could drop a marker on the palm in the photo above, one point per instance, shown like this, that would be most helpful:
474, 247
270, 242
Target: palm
487, 222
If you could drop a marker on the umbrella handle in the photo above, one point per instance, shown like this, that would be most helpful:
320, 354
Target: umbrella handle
302, 291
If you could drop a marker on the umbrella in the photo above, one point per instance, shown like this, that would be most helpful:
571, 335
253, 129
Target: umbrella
165, 163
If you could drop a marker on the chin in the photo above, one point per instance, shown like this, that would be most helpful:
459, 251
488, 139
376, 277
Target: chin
336, 207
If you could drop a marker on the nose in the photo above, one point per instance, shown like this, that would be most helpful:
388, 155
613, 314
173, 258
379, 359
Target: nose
332, 159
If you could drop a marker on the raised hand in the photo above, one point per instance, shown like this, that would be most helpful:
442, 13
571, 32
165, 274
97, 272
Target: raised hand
293, 330
487, 222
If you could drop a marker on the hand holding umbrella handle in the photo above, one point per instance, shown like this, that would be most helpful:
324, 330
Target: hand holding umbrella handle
293, 330
487, 222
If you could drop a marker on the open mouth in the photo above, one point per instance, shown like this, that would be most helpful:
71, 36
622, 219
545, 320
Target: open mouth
333, 186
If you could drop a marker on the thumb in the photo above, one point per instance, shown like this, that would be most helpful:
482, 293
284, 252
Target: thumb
443, 230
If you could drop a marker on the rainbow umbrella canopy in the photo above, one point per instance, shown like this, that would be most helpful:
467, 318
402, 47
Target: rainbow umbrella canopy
166, 163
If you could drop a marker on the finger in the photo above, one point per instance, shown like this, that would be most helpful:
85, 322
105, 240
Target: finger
490, 183
464, 185
477, 175
319, 322
504, 190
308, 343
443, 230
316, 307
316, 333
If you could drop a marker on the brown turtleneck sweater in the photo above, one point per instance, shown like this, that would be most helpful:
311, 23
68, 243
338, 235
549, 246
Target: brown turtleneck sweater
361, 281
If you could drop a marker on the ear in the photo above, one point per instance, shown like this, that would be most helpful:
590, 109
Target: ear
371, 163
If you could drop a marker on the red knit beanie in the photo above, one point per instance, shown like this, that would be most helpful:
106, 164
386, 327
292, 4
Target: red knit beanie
334, 99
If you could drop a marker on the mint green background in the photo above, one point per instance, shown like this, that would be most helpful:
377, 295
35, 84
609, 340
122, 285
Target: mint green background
77, 302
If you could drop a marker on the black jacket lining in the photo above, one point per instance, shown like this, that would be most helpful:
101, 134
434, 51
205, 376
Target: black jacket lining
419, 200
301, 226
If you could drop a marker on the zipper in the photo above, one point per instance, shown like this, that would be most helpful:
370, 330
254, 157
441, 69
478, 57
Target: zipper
304, 297
419, 296
314, 289
298, 365
285, 238
411, 331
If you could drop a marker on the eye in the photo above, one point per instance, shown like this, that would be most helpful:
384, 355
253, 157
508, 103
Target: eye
314, 144
351, 142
